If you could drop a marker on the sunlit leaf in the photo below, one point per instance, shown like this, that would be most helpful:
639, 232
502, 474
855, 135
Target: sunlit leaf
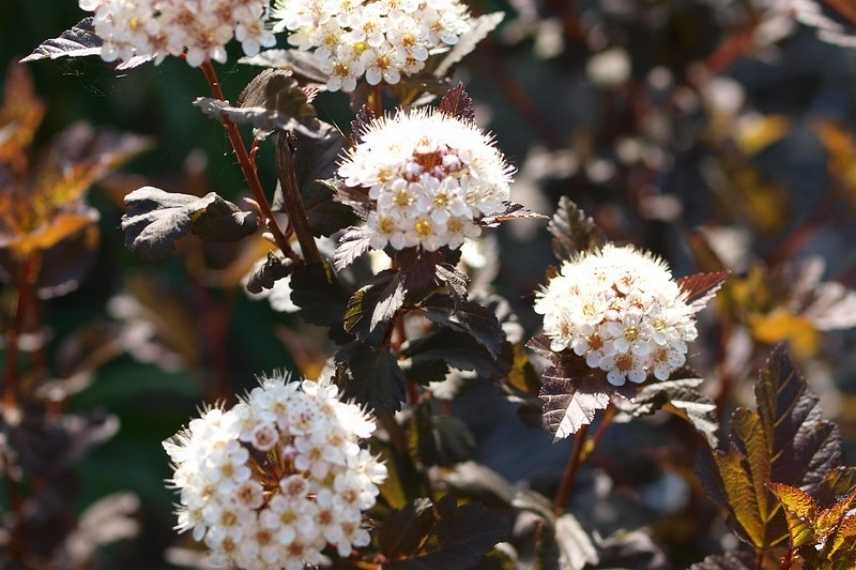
700, 288
156, 219
61, 227
79, 41
482, 26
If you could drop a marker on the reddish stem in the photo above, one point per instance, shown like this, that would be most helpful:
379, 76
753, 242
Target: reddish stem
248, 169
571, 470
28, 273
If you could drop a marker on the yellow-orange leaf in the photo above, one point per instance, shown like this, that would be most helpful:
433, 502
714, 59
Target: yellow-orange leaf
755, 135
782, 325
800, 512
20, 115
48, 235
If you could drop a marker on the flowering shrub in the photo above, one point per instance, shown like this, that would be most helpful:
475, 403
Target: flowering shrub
431, 311
276, 478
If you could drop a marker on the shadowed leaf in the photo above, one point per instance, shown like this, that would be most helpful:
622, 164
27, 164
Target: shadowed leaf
681, 394
732, 561
156, 219
573, 231
469, 317
459, 350
316, 291
265, 275
371, 376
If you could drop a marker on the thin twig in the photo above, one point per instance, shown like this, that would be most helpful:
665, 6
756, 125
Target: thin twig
571, 469
376, 100
251, 175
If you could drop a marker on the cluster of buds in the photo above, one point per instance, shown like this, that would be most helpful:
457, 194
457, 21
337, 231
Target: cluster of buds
430, 179
196, 29
381, 39
273, 481
620, 309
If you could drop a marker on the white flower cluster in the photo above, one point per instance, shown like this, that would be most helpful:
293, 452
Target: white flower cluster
198, 29
273, 481
621, 310
381, 39
430, 177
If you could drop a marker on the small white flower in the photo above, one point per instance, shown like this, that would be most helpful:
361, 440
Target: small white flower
622, 311
431, 179
379, 40
277, 479
196, 29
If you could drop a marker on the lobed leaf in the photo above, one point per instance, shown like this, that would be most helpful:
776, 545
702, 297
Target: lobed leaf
700, 288
371, 376
464, 534
315, 289
457, 103
458, 350
573, 231
375, 304
272, 101
353, 244
266, 274
469, 317
79, 41
155, 219
683, 395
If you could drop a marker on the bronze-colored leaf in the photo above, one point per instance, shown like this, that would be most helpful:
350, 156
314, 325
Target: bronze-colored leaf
20, 114
573, 231
52, 232
700, 288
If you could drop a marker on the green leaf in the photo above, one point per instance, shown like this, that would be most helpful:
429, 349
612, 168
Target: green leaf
156, 219
573, 231
469, 317
371, 376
